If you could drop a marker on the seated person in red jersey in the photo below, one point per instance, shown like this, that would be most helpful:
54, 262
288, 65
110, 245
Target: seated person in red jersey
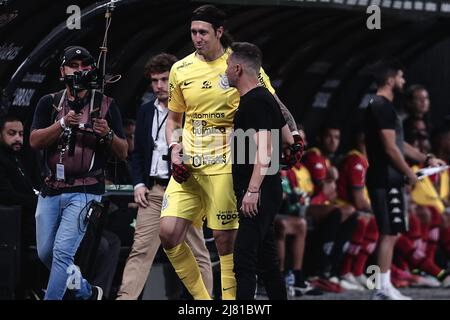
352, 190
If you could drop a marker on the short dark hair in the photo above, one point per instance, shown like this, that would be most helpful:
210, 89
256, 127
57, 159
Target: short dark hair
217, 18
247, 53
8, 118
385, 70
159, 64
411, 90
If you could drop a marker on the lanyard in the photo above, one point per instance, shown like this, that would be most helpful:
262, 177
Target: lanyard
26, 179
157, 121
19, 166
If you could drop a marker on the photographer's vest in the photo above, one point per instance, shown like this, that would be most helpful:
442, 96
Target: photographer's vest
78, 160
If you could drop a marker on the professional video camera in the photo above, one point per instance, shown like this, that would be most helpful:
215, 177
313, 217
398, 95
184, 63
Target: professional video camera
84, 80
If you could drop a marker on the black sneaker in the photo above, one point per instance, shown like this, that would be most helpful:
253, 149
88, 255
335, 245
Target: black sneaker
305, 288
97, 293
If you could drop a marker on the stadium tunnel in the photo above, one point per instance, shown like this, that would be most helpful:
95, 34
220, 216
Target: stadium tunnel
317, 56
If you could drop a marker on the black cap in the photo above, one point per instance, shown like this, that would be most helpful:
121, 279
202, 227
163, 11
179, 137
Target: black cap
77, 52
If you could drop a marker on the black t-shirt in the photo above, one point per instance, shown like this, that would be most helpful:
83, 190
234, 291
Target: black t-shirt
258, 110
379, 115
43, 119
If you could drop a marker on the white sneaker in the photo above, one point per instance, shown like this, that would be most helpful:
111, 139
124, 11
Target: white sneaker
426, 281
388, 293
300, 291
343, 283
350, 278
382, 294
362, 280
398, 295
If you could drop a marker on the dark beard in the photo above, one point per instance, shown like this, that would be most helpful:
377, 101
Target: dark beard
16, 144
9, 148
397, 90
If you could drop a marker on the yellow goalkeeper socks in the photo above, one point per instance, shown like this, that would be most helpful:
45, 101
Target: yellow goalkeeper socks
187, 269
227, 277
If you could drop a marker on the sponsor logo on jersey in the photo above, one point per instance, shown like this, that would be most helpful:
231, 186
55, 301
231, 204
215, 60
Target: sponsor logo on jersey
199, 160
184, 64
216, 115
223, 82
171, 88
226, 217
206, 84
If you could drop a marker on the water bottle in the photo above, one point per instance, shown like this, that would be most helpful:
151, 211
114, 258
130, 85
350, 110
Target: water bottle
290, 281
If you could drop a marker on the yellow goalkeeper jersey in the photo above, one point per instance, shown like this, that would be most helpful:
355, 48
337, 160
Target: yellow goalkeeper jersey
200, 90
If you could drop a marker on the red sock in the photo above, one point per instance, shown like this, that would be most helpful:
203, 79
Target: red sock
429, 267
358, 233
401, 262
415, 230
404, 249
409, 246
354, 246
433, 233
415, 254
347, 264
367, 248
408, 241
412, 249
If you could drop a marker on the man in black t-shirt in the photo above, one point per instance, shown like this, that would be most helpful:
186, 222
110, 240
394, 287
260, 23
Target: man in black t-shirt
20, 177
76, 128
388, 170
259, 127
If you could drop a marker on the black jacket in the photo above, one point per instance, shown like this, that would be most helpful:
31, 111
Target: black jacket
19, 174
141, 158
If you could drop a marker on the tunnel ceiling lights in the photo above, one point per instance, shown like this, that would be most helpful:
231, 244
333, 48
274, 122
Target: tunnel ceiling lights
417, 6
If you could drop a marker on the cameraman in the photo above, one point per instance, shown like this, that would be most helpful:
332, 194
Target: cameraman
76, 128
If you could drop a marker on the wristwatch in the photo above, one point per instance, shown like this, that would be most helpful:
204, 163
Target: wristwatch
109, 136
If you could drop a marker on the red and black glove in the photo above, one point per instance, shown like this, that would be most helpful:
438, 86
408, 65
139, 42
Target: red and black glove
179, 171
293, 154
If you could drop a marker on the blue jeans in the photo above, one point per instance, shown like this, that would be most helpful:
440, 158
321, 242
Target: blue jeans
60, 227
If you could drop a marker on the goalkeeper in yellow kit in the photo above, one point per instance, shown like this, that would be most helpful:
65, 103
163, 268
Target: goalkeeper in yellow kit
201, 184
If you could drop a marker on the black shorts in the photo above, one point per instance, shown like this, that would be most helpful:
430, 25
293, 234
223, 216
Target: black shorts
389, 208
